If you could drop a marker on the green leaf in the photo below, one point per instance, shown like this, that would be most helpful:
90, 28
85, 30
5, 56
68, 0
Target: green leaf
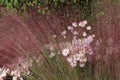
39, 10
24, 7
15, 2
62, 1
28, 3
9, 6
2, 2
35, 2
43, 12
74, 1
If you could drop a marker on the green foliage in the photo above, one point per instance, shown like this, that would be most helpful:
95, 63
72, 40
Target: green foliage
57, 68
41, 5
85, 7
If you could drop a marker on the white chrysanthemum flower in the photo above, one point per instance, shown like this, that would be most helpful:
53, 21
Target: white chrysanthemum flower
64, 33
73, 64
70, 28
69, 59
64, 36
81, 55
74, 24
69, 45
83, 23
77, 57
28, 73
15, 77
77, 42
81, 64
65, 52
75, 33
72, 61
54, 36
52, 54
50, 46
88, 27
84, 34
2, 75
3, 72
90, 53
12, 73
16, 73
88, 40
21, 78
82, 59
93, 35
85, 59
0, 69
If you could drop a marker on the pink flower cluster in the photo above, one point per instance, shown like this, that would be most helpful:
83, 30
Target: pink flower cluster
4, 72
22, 67
76, 51
72, 28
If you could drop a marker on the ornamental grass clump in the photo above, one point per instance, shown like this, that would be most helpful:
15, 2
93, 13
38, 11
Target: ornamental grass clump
75, 50
63, 59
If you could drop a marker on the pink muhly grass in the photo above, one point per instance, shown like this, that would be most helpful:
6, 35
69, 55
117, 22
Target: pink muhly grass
21, 36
